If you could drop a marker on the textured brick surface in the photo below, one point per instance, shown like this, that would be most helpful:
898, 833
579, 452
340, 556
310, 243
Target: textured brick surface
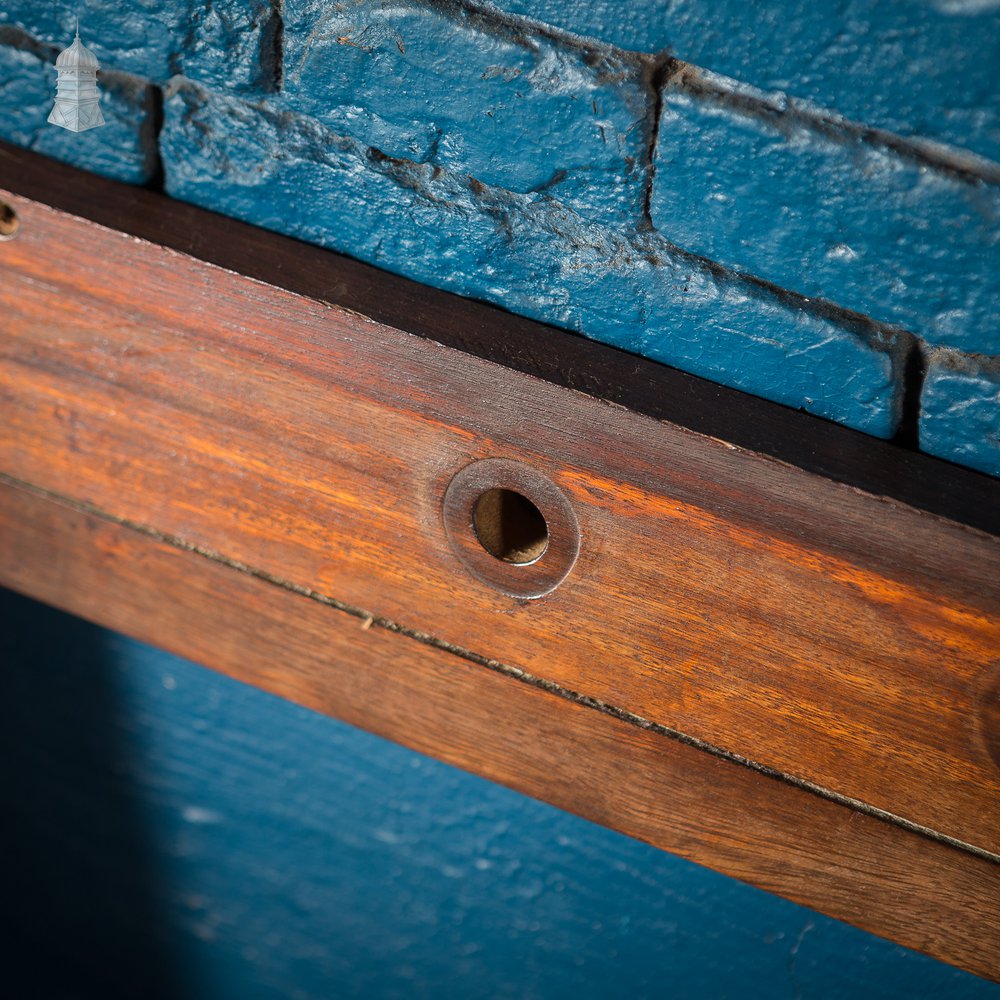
226, 43
960, 410
828, 215
513, 108
527, 253
928, 68
125, 148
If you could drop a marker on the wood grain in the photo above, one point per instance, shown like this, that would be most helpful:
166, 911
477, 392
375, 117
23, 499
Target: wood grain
834, 637
790, 676
557, 356
893, 882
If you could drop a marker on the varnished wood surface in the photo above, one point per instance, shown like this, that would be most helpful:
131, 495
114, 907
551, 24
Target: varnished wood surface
789, 632
477, 328
920, 892
834, 637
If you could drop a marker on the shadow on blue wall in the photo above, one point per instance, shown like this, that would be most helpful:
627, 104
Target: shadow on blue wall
79, 913
167, 832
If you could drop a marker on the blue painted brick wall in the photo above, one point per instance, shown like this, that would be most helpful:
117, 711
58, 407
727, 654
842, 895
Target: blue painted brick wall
530, 254
960, 402
226, 43
926, 69
126, 148
814, 207
437, 83
806, 202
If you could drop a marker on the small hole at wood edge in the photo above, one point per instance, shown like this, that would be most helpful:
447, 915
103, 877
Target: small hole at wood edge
8, 221
510, 527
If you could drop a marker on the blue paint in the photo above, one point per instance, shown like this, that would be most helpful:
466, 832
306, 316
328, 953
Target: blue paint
432, 83
922, 68
224, 43
169, 832
927, 69
124, 148
960, 410
527, 253
831, 217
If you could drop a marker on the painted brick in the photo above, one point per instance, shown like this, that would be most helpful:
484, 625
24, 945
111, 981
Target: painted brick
960, 410
125, 148
929, 69
229, 44
527, 253
828, 215
518, 109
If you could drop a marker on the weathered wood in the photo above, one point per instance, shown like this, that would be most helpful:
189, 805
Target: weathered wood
835, 643
920, 892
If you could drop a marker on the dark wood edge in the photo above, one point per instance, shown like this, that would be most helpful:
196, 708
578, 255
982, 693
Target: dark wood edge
893, 882
881, 468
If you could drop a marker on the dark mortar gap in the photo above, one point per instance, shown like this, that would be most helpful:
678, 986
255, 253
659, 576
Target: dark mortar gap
969, 362
157, 176
522, 30
272, 48
658, 71
555, 180
17, 38
911, 377
175, 65
507, 670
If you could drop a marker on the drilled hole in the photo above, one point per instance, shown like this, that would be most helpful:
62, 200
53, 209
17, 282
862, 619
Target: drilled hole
510, 527
8, 221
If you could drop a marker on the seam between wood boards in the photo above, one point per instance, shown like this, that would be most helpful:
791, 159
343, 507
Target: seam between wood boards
506, 670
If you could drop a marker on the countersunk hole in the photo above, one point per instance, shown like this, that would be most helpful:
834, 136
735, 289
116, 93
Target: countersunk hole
510, 527
8, 221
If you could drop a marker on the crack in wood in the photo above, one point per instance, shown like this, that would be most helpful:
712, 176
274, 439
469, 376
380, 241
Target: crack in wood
372, 620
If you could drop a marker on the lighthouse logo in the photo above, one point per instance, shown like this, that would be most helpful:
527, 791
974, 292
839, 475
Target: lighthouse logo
78, 101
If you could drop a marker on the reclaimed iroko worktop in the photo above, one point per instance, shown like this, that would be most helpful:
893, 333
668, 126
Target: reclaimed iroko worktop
764, 642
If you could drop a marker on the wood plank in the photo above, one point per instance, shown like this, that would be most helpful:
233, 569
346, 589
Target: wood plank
557, 356
840, 639
893, 882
